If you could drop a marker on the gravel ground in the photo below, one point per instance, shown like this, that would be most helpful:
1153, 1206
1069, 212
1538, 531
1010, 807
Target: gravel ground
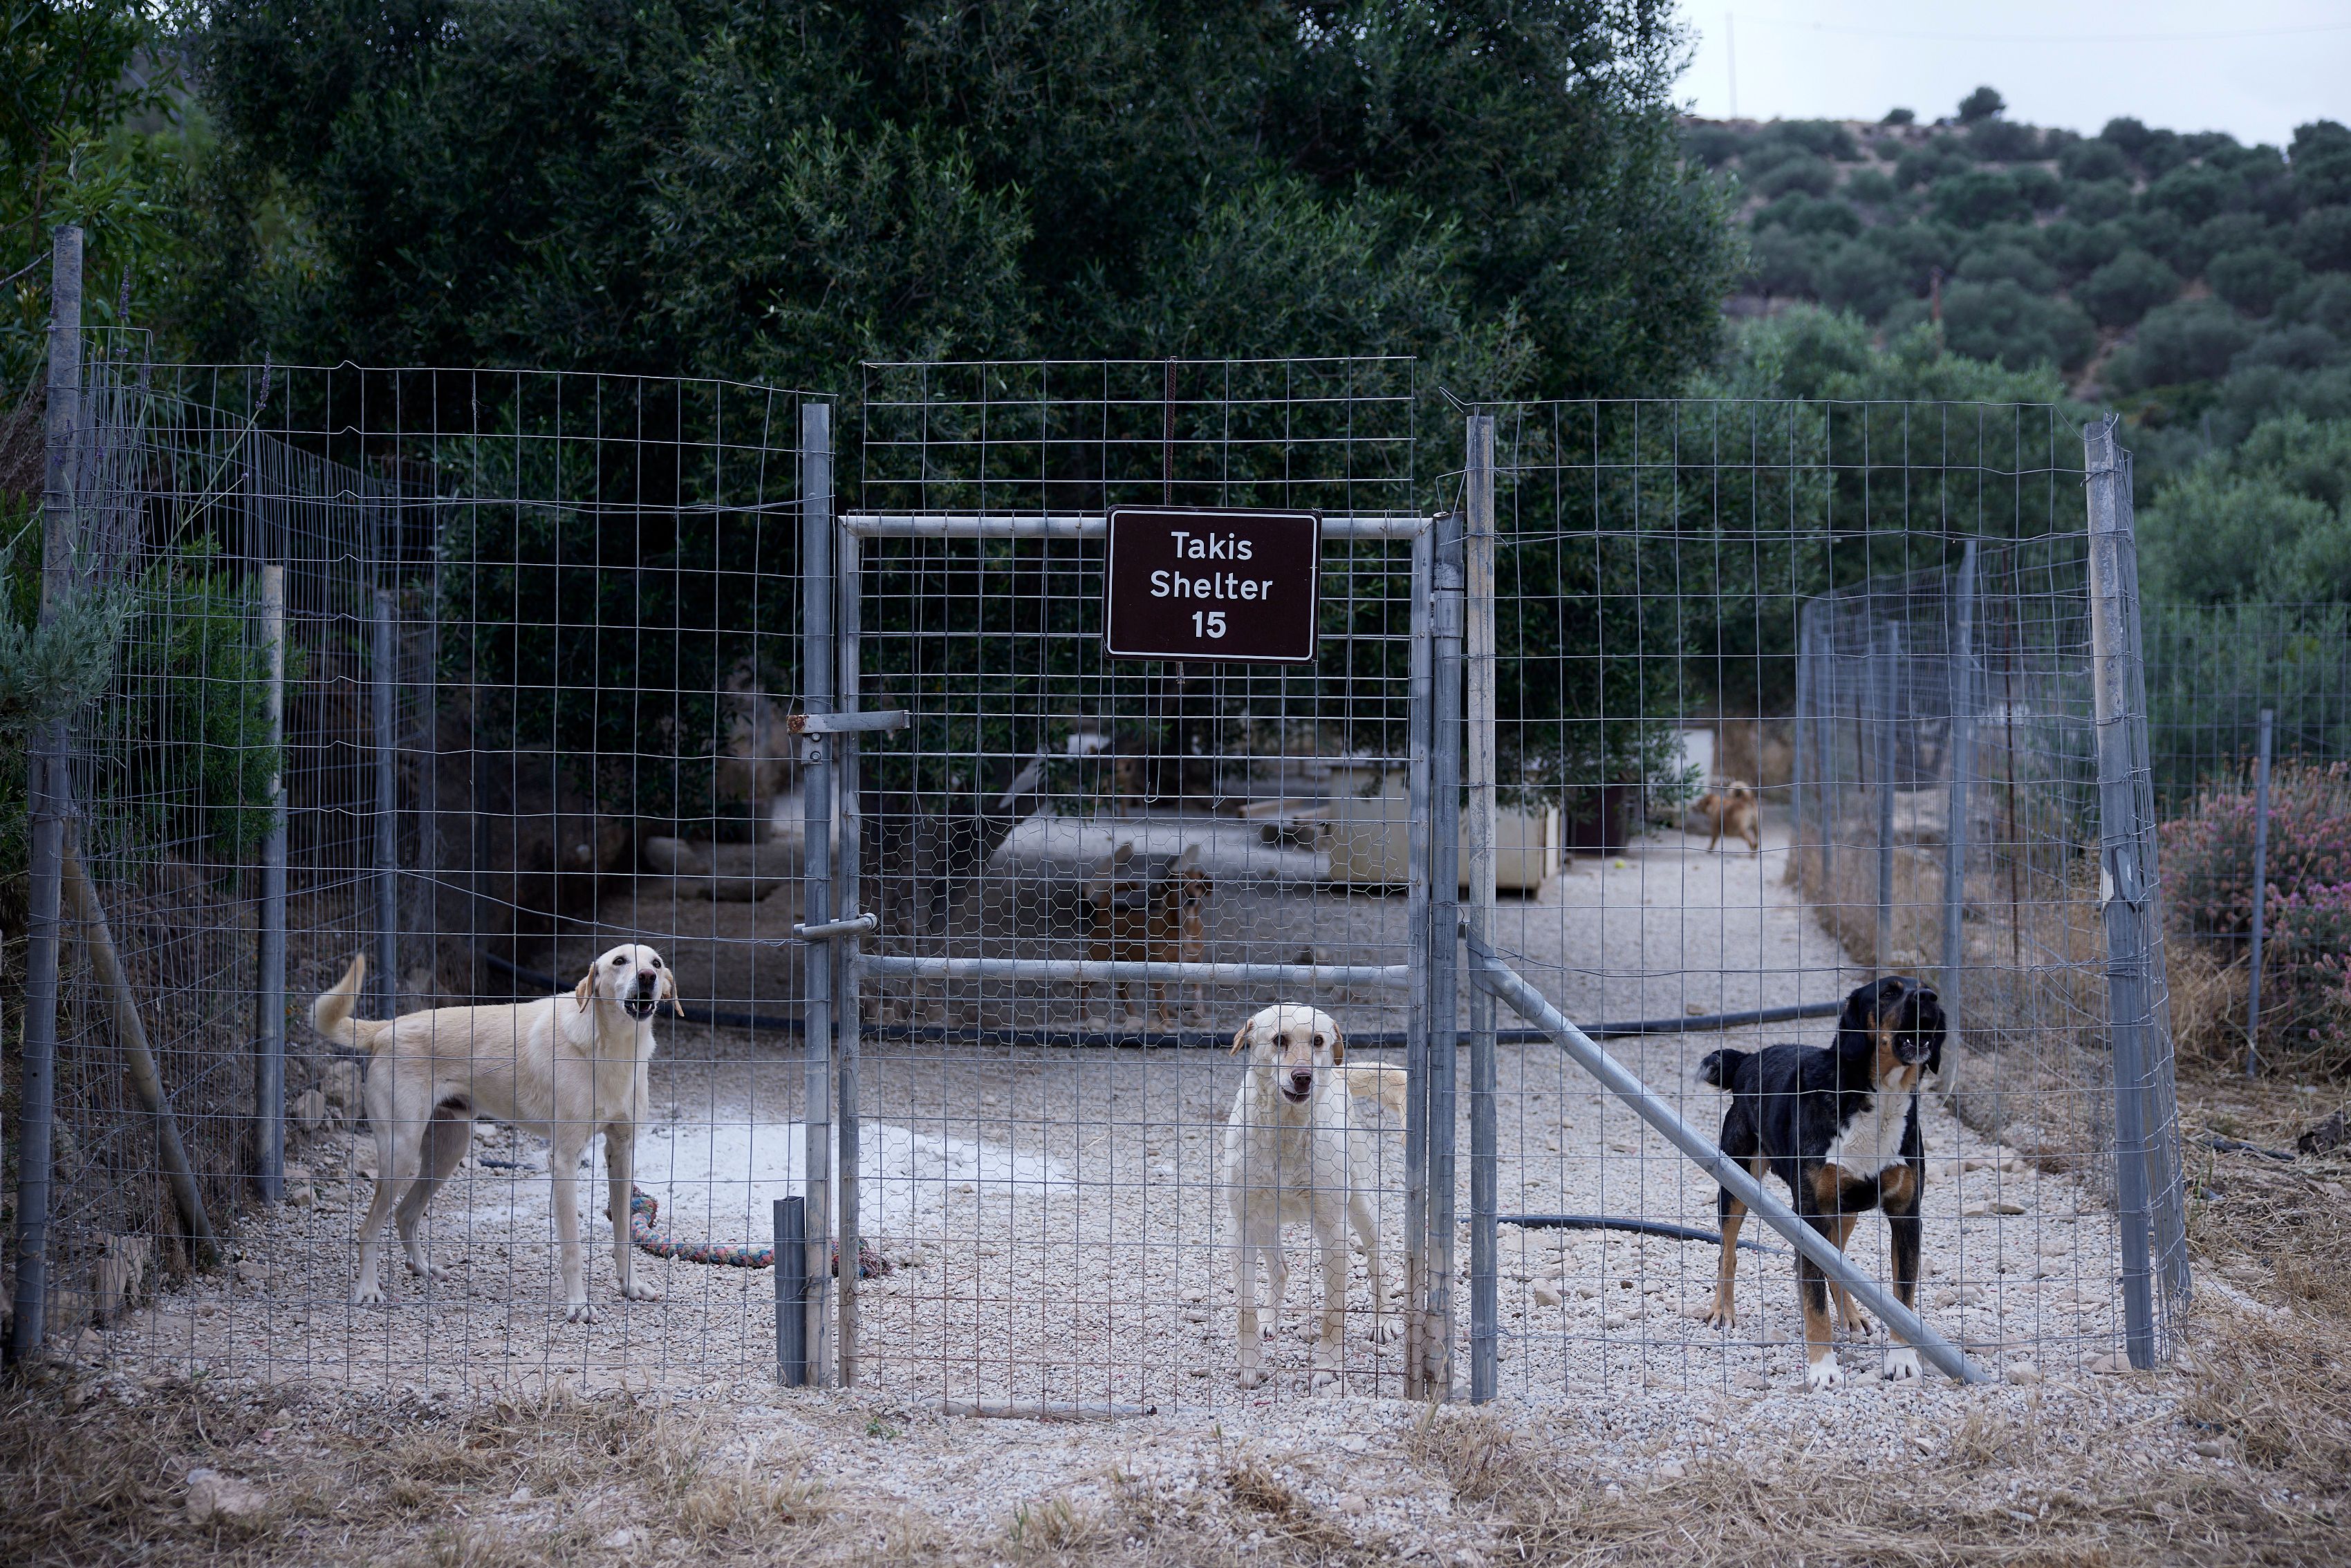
1055, 1216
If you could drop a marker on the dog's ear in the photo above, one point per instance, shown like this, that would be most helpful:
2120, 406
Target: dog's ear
1860, 1010
1241, 1035
1338, 1046
585, 990
669, 991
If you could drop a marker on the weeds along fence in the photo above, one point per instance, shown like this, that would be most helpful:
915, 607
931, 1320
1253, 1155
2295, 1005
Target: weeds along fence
478, 674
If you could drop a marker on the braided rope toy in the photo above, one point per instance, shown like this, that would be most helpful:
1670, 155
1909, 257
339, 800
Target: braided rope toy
644, 1208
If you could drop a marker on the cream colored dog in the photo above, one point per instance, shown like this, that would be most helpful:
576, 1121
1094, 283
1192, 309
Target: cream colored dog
564, 1067
1294, 1151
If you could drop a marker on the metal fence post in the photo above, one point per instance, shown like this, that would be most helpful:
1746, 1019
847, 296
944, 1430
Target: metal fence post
1885, 659
387, 803
1964, 765
1444, 945
791, 1292
1800, 759
1824, 701
2261, 894
1419, 957
1477, 714
2126, 897
817, 670
844, 948
44, 802
269, 981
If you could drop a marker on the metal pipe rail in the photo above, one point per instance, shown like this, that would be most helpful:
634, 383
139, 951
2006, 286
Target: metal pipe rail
1486, 969
1347, 528
1092, 972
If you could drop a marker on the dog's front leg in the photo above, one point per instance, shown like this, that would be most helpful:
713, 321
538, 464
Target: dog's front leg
1249, 1349
563, 1178
1367, 1228
1330, 1237
621, 1160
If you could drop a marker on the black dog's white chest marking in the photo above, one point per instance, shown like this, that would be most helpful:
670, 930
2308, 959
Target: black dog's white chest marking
1872, 1140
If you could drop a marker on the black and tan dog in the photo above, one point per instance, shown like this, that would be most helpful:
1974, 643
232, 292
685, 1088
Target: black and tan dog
1840, 1127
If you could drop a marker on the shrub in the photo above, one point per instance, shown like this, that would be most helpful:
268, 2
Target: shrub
2096, 201
1900, 117
2093, 160
2003, 142
2252, 280
2192, 341
1981, 104
1980, 196
2002, 321
1785, 262
2042, 191
2322, 162
1803, 215
2302, 347
2126, 135
2322, 240
2127, 288
1712, 145
2322, 302
2081, 248
2196, 192
1924, 166
2207, 865
1820, 138
1862, 280
1871, 185
1813, 176
1989, 263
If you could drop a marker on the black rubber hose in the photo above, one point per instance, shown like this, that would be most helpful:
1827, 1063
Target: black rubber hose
1640, 1227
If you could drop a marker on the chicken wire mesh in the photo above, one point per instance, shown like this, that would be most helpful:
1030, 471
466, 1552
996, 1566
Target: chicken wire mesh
542, 636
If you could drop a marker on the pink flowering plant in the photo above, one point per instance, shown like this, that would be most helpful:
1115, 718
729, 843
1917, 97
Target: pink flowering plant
2208, 867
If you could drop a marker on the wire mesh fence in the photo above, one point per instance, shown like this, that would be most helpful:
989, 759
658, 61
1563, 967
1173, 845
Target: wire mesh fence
491, 678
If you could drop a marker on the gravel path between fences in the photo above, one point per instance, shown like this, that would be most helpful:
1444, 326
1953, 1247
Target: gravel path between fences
1055, 1220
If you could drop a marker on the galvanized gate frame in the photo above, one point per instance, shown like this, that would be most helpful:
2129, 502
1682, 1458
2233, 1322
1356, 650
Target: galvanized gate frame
829, 727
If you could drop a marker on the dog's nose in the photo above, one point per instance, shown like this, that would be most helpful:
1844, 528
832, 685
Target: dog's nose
1301, 1077
1926, 994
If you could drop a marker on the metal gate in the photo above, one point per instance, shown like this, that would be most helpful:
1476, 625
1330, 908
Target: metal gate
1053, 877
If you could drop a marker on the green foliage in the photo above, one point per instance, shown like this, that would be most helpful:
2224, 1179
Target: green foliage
1861, 278
192, 723
2013, 262
1980, 105
2254, 279
717, 186
2265, 521
2096, 201
1978, 197
2006, 322
2191, 341
2126, 288
1813, 176
2322, 239
2094, 159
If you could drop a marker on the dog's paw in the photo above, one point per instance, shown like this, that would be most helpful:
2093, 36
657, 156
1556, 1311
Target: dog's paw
1901, 1362
580, 1312
1325, 1379
1823, 1374
426, 1268
640, 1291
1251, 1376
1721, 1317
1385, 1331
367, 1293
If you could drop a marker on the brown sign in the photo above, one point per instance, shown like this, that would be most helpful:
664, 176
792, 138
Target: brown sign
1235, 587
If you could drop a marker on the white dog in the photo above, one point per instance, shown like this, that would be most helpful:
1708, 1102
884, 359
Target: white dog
1294, 1151
564, 1067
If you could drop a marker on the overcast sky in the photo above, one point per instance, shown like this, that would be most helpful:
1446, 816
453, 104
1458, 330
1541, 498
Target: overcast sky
2256, 68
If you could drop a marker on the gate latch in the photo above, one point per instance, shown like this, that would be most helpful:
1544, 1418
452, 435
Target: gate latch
826, 930
881, 720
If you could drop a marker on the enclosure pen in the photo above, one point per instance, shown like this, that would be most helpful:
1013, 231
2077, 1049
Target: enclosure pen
1669, 724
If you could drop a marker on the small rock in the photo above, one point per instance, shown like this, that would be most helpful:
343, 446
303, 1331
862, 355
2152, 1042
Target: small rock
1671, 1471
1616, 1321
1544, 1296
250, 1274
1985, 1207
1754, 1382
212, 1496
2211, 1447
2324, 1138
311, 1111
1195, 1372
1195, 1316
621, 1540
1349, 1504
2107, 1364
2023, 1374
1924, 1444
520, 1493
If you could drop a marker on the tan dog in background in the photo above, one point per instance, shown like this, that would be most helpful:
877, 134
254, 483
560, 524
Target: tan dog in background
1731, 812
1295, 1151
563, 1067
1147, 909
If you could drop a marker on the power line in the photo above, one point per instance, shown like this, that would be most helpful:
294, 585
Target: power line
2044, 37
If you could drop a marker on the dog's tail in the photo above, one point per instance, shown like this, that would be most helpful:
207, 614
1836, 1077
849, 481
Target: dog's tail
1718, 1069
1378, 1082
330, 1015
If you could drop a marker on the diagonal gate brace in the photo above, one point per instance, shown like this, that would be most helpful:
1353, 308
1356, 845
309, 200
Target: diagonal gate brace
1504, 982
